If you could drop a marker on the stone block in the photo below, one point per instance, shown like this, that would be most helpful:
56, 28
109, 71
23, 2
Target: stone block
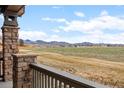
14, 34
19, 85
15, 30
8, 62
20, 59
21, 74
8, 34
19, 69
13, 47
8, 77
22, 64
7, 55
7, 71
25, 68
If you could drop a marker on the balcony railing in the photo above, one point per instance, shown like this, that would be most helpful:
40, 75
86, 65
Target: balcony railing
48, 77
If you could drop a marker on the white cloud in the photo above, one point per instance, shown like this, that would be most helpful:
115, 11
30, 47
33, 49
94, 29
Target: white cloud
93, 30
59, 20
55, 36
46, 19
104, 38
0, 33
104, 13
79, 14
32, 35
56, 7
55, 30
38, 35
98, 23
96, 37
1, 17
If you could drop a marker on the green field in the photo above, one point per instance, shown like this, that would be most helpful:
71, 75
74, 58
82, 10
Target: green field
115, 54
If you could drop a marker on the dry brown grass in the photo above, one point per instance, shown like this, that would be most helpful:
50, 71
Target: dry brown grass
102, 71
105, 72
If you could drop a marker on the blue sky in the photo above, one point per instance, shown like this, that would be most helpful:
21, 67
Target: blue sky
97, 24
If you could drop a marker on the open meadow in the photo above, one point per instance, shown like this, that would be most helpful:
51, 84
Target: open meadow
100, 64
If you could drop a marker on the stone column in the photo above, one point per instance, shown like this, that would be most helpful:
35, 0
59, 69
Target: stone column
22, 73
10, 46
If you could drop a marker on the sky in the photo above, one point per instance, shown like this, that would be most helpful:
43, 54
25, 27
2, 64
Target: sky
72, 23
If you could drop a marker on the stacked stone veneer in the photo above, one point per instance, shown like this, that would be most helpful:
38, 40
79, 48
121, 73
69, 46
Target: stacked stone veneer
22, 73
1, 54
1, 64
10, 46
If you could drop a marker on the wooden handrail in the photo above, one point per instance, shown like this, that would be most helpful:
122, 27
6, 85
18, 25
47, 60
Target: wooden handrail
62, 76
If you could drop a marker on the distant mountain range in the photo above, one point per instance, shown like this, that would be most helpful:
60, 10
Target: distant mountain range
65, 44
48, 44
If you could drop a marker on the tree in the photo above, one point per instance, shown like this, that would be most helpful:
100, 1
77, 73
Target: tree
21, 42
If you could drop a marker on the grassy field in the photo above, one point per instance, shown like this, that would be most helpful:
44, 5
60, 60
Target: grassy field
101, 64
115, 54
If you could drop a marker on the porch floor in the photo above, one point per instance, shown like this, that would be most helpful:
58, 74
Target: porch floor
7, 84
